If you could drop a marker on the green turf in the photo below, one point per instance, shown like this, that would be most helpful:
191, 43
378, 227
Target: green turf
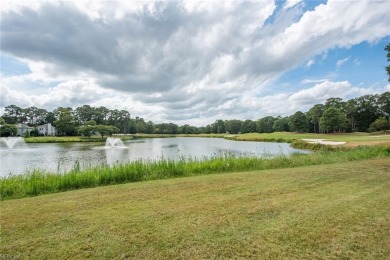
337, 211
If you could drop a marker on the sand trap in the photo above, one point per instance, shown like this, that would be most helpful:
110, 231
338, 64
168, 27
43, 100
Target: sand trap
322, 141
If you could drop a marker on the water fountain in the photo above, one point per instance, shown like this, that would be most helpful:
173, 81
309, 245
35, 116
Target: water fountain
12, 142
112, 142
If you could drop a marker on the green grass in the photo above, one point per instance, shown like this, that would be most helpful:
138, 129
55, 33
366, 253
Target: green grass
39, 182
337, 211
140, 135
350, 137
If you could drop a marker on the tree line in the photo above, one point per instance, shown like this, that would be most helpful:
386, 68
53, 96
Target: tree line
363, 114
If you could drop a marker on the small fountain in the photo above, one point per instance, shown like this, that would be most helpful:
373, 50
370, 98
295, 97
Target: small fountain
112, 142
12, 142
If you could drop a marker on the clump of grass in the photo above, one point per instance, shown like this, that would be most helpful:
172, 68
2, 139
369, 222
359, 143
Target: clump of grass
299, 144
40, 182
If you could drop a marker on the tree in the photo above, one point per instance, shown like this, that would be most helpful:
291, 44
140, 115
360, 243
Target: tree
387, 48
84, 114
140, 125
335, 102
90, 122
379, 125
367, 111
314, 115
248, 126
218, 127
2, 121
281, 124
265, 124
8, 130
332, 120
65, 123
35, 116
350, 109
106, 130
50, 118
298, 122
233, 126
87, 130
13, 114
149, 127
34, 132
384, 104
101, 115
132, 126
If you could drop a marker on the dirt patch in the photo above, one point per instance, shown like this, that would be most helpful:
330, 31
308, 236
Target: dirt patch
322, 141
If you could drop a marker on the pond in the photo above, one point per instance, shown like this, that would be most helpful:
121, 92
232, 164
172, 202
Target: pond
62, 157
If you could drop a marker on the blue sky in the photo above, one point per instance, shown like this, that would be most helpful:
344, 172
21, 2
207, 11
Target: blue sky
362, 64
192, 61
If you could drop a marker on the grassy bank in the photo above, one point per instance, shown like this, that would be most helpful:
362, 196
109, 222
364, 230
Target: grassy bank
153, 135
38, 182
338, 211
350, 138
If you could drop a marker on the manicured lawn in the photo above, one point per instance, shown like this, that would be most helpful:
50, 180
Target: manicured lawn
350, 137
337, 211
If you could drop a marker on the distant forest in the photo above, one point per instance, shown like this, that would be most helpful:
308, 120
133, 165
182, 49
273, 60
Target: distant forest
367, 113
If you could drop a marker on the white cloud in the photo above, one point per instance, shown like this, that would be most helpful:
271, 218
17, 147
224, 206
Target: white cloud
356, 61
340, 62
176, 60
288, 103
310, 63
309, 81
291, 3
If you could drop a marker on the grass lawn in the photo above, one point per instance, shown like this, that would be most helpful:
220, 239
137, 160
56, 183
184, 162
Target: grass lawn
337, 211
351, 139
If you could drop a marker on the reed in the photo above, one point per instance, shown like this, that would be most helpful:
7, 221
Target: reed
40, 182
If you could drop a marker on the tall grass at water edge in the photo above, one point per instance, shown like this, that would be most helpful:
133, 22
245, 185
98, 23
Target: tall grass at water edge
40, 182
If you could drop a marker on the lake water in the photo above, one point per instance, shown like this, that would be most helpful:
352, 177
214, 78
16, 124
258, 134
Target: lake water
61, 157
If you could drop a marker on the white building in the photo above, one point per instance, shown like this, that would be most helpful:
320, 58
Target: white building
47, 129
22, 129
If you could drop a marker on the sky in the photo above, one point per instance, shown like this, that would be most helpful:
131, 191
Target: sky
192, 62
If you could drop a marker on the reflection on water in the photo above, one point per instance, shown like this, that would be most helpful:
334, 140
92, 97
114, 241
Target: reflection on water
61, 157
114, 156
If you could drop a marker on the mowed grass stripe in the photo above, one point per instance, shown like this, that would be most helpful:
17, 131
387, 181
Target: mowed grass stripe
328, 211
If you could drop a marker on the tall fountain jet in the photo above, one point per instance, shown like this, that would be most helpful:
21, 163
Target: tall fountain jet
114, 142
12, 142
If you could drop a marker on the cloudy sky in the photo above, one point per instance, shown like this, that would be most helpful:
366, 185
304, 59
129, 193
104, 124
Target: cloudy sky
192, 61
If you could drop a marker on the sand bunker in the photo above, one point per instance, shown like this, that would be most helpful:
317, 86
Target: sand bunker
322, 141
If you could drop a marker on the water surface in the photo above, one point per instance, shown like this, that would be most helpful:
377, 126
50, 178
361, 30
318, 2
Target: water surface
61, 157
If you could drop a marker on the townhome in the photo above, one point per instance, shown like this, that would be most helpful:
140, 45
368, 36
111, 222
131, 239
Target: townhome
47, 129
22, 129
